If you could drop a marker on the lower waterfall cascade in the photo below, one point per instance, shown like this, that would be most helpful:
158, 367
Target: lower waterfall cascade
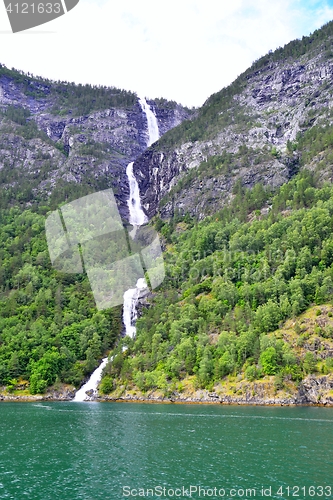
83, 393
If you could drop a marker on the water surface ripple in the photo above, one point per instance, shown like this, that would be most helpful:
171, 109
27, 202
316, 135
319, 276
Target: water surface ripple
91, 451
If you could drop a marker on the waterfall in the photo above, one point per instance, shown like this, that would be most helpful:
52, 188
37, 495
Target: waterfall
130, 314
153, 132
137, 218
137, 215
91, 385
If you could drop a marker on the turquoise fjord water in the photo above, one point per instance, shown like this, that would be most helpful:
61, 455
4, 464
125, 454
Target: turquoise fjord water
91, 451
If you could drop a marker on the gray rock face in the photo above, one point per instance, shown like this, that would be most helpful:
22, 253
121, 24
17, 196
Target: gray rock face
273, 105
94, 148
316, 390
252, 124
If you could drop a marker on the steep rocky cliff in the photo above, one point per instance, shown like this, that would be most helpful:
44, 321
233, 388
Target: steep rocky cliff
62, 140
247, 131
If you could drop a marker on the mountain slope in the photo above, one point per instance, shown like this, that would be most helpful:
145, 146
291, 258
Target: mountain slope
262, 257
249, 131
60, 140
232, 282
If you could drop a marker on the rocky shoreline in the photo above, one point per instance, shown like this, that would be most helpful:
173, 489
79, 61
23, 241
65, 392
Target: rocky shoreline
312, 391
66, 394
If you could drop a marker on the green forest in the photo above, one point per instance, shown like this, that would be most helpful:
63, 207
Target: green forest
231, 280
50, 328
248, 289
230, 283
69, 97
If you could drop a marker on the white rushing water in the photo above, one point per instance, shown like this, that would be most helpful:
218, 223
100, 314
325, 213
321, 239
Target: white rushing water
153, 132
137, 218
137, 215
91, 385
130, 314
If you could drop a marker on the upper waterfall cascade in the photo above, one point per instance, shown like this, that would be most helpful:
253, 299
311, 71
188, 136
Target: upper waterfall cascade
153, 132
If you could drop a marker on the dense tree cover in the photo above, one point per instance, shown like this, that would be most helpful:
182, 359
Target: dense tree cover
12, 116
50, 329
229, 283
320, 40
315, 140
70, 97
84, 99
161, 102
